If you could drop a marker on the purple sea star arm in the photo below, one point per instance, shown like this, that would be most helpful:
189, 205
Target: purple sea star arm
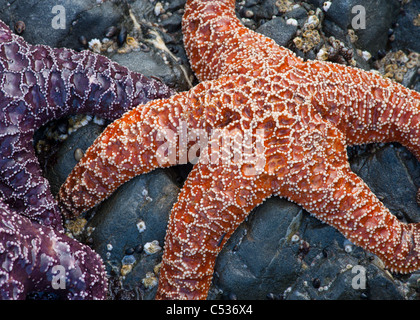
31, 255
39, 84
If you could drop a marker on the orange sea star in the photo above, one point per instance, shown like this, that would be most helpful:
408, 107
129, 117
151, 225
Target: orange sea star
299, 117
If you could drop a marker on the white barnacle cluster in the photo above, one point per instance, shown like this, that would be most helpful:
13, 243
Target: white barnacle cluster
152, 247
326, 5
150, 280
141, 225
292, 22
127, 264
95, 45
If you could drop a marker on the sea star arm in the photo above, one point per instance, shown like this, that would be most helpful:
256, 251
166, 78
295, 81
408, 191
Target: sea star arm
217, 197
321, 181
39, 84
32, 254
23, 184
363, 105
140, 141
348, 204
219, 45
127, 147
206, 214
304, 160
55, 82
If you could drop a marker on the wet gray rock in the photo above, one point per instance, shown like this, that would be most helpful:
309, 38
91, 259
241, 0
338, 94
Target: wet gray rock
260, 255
175, 5
145, 199
393, 174
327, 282
172, 23
406, 30
60, 165
152, 64
113, 226
265, 10
39, 17
379, 18
278, 30
417, 86
299, 13
251, 3
412, 78
90, 19
161, 53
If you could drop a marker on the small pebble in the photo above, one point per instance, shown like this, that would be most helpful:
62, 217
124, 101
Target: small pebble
83, 41
20, 27
111, 31
78, 154
129, 251
128, 259
248, 13
348, 246
316, 283
138, 248
295, 238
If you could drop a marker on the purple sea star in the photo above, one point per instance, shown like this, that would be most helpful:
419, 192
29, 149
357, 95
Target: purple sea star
39, 84
30, 254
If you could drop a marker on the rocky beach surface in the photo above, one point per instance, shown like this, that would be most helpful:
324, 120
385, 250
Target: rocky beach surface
280, 251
